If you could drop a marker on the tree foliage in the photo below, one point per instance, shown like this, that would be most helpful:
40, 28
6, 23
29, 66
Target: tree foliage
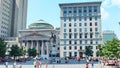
16, 51
99, 51
111, 48
3, 48
32, 52
88, 51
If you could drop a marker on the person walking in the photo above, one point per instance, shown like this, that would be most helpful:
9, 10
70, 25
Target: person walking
46, 64
92, 64
34, 63
39, 64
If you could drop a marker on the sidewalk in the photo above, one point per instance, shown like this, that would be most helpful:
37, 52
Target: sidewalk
62, 66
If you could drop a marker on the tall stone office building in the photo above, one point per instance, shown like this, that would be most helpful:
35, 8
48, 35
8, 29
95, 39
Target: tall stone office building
80, 27
13, 14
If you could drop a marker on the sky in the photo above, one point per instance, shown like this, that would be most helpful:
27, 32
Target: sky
49, 11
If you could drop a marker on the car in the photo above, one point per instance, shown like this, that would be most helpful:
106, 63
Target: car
111, 62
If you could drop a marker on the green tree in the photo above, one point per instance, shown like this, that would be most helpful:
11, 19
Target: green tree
88, 51
3, 48
99, 51
111, 48
32, 52
16, 51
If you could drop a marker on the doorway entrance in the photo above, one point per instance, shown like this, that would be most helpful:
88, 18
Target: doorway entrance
81, 54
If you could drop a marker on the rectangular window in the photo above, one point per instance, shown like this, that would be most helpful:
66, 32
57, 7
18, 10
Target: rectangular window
90, 18
80, 19
80, 36
75, 47
80, 41
65, 42
69, 18
75, 30
90, 9
64, 47
86, 41
75, 11
80, 47
90, 23
85, 29
85, 18
96, 24
70, 42
91, 42
75, 24
80, 24
96, 35
75, 35
70, 48
65, 35
95, 8
90, 29
75, 54
74, 18
91, 35
70, 25
75, 42
65, 54
64, 19
64, 30
85, 24
86, 35
69, 11
64, 24
80, 29
95, 18
96, 29
70, 30
70, 35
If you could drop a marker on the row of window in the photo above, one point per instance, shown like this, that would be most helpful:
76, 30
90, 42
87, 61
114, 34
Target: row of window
80, 35
79, 10
81, 24
76, 47
81, 42
4, 32
95, 18
80, 30
75, 54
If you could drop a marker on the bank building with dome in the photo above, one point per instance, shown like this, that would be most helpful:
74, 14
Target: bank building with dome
42, 36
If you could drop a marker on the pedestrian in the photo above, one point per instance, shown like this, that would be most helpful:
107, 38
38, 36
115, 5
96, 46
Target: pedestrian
6, 64
34, 63
39, 64
86, 65
92, 64
14, 64
78, 59
46, 64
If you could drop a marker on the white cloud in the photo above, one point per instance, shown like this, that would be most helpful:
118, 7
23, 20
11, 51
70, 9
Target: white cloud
106, 3
115, 3
105, 14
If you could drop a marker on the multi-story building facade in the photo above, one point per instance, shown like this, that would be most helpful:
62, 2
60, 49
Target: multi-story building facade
80, 27
13, 15
108, 35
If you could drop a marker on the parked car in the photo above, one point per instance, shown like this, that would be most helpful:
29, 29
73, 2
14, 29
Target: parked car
111, 62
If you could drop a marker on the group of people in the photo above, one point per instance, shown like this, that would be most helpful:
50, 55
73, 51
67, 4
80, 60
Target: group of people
37, 64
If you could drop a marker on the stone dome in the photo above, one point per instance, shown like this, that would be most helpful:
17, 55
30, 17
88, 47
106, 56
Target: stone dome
40, 24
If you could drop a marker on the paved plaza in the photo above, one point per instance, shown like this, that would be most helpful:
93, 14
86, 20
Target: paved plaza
62, 66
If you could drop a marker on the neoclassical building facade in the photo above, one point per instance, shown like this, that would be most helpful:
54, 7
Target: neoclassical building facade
41, 36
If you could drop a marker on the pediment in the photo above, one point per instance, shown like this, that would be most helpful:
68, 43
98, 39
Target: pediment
37, 35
